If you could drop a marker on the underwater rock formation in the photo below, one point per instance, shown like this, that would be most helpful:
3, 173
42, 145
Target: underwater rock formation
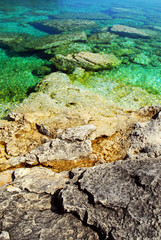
87, 60
55, 40
64, 25
132, 32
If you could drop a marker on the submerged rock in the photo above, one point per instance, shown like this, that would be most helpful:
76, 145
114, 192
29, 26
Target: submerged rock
87, 60
50, 41
64, 25
141, 59
132, 32
101, 37
69, 48
15, 41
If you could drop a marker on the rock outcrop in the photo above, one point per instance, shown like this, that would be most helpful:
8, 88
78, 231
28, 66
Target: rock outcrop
71, 145
132, 32
87, 60
146, 139
121, 200
64, 25
27, 211
54, 40
118, 200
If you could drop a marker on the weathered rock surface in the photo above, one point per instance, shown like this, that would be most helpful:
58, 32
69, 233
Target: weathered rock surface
39, 179
78, 133
87, 60
101, 37
55, 40
14, 41
30, 213
121, 200
70, 145
146, 139
118, 200
69, 48
4, 236
64, 25
110, 140
132, 32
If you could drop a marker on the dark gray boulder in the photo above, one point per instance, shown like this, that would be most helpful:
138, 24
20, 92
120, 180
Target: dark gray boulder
121, 200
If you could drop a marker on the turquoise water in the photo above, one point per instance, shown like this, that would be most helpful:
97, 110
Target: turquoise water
22, 64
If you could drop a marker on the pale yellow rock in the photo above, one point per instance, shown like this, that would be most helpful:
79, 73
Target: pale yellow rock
5, 177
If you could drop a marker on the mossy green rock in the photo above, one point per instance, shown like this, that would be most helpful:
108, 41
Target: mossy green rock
64, 25
55, 40
70, 48
86, 60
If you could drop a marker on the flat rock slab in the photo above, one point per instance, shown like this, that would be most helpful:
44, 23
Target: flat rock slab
71, 144
55, 40
82, 15
87, 60
64, 25
132, 32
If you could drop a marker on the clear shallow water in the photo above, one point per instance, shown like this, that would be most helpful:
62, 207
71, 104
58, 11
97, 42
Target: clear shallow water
141, 57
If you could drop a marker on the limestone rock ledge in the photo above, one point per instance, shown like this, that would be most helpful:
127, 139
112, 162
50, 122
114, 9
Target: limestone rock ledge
119, 200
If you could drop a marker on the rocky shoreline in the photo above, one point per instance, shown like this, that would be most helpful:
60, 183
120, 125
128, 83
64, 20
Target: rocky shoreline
74, 163
64, 182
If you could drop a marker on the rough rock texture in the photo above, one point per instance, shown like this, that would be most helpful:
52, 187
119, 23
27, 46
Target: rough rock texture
39, 179
87, 60
14, 40
64, 25
55, 40
132, 32
4, 236
30, 213
121, 200
70, 145
17, 137
110, 141
117, 201
146, 138
101, 37
58, 95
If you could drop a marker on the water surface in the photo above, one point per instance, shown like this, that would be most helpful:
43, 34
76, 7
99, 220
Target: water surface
137, 81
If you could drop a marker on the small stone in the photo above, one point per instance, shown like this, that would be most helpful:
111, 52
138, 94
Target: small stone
4, 236
77, 133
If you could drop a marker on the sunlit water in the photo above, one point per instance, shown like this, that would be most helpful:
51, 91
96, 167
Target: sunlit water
138, 75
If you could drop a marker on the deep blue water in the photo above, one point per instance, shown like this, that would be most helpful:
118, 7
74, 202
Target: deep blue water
21, 71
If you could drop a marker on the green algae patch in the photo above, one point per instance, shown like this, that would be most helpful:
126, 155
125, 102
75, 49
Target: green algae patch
17, 77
